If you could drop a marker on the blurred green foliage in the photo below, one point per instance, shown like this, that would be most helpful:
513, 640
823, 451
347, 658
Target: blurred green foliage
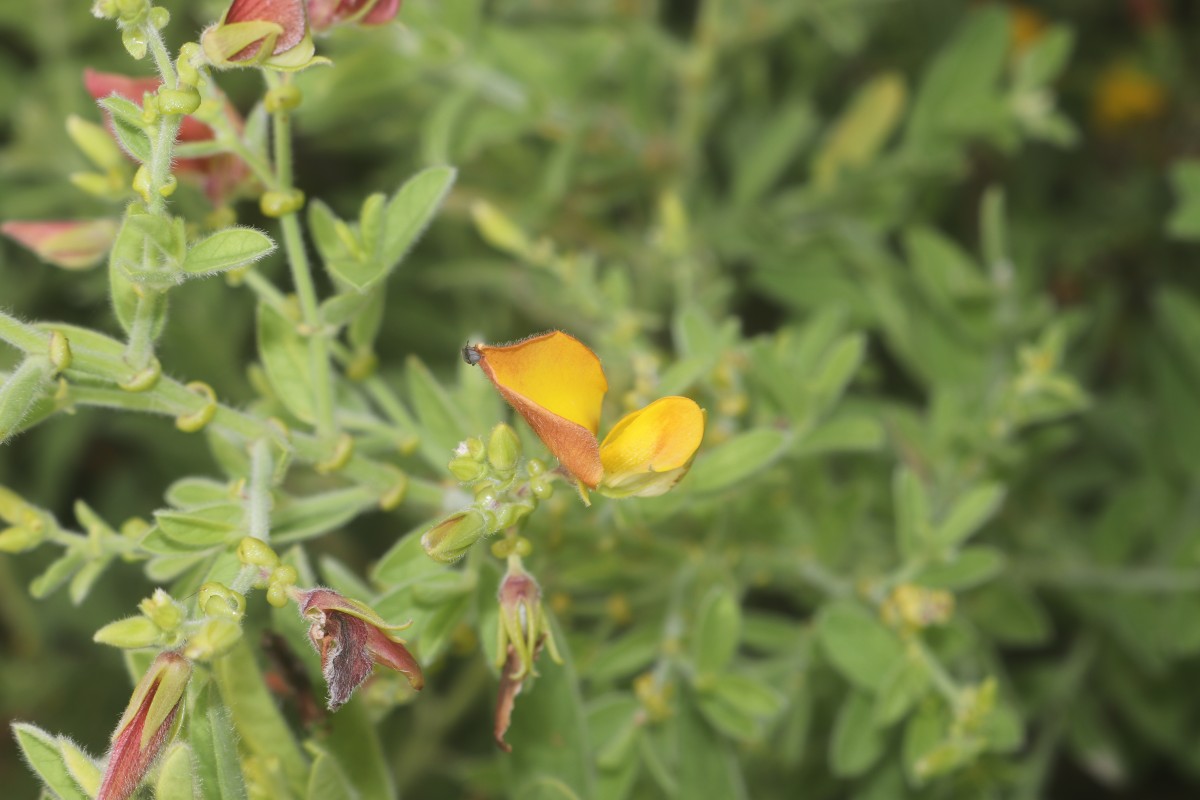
927, 266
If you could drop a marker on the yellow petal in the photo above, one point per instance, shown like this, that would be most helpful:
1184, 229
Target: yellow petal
661, 437
556, 383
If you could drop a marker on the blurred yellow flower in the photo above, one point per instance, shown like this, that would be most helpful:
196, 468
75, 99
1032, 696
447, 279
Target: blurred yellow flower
557, 384
1126, 94
1027, 26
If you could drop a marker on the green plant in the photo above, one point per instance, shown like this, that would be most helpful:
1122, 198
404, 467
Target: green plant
937, 541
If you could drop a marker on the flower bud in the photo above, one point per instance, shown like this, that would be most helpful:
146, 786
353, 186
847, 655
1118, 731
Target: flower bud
255, 552
504, 448
18, 539
178, 101
162, 610
70, 244
450, 539
215, 637
466, 469
146, 726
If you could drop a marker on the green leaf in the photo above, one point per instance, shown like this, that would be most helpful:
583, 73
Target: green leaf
354, 742
175, 777
261, 726
970, 513
717, 631
1045, 58
959, 93
168, 236
195, 492
82, 767
612, 722
625, 656
1184, 222
750, 695
905, 684
737, 459
1010, 614
56, 574
970, 567
849, 433
857, 644
922, 733
729, 718
297, 519
857, 743
762, 163
944, 271
42, 753
128, 125
227, 249
326, 781
862, 130
387, 234
405, 562
210, 733
913, 532
202, 528
837, 369
285, 359
707, 765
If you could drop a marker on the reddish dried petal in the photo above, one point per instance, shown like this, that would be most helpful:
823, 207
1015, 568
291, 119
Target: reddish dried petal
506, 699
393, 654
345, 661
384, 11
323, 14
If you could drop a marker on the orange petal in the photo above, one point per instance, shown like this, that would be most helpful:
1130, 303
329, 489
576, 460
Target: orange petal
660, 438
556, 383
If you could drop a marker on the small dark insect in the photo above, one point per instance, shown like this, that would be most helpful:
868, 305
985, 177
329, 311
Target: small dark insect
471, 355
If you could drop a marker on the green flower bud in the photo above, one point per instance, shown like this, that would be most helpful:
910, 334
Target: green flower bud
466, 469
215, 637
504, 448
285, 575
144, 380
394, 496
471, 448
277, 204
18, 539
535, 467
277, 595
135, 42
161, 609
130, 633
450, 539
105, 9
60, 351
541, 489
218, 600
178, 101
159, 17
283, 98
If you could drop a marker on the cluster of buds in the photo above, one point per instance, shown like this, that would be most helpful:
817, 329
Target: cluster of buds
911, 607
159, 625
504, 493
522, 631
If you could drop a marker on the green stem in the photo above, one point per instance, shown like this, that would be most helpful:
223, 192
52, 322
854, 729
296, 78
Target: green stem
942, 681
1149, 580
258, 502
302, 280
23, 336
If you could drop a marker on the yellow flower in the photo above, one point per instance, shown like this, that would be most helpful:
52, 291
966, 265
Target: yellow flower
557, 384
1125, 94
1026, 26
